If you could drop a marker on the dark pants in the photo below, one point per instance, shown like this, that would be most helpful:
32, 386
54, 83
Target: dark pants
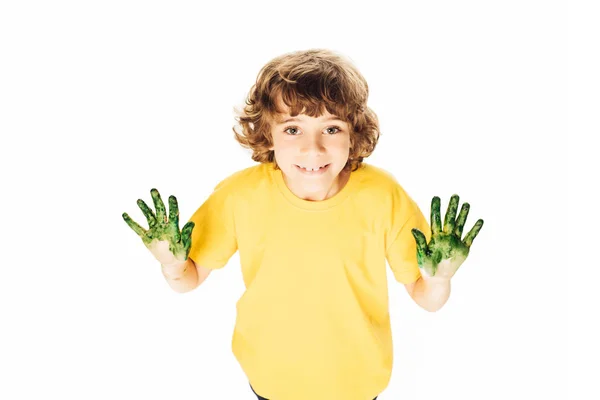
264, 398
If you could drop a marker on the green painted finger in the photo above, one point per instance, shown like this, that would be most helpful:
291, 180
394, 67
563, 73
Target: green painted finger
148, 213
436, 258
422, 250
450, 219
473, 233
133, 225
421, 241
174, 218
161, 215
186, 236
462, 218
436, 221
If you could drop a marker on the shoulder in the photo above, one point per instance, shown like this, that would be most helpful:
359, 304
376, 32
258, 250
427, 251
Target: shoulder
378, 175
241, 181
384, 185
380, 180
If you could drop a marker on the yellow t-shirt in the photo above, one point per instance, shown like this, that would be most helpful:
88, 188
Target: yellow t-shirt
314, 319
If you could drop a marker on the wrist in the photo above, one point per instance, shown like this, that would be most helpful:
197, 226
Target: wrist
435, 280
174, 269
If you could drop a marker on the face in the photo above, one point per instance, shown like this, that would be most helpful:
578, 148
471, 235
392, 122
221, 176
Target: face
311, 142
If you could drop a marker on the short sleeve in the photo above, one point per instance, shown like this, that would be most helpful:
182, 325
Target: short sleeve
213, 237
402, 252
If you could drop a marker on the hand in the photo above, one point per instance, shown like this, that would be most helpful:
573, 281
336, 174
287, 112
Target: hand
446, 251
163, 239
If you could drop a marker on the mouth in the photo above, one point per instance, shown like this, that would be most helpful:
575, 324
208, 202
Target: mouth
319, 171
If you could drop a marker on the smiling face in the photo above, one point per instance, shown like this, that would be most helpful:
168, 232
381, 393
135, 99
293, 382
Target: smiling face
312, 142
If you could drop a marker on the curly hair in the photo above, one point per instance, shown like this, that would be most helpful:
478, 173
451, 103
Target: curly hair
308, 81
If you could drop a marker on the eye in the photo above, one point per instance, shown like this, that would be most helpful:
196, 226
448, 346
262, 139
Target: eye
337, 129
291, 127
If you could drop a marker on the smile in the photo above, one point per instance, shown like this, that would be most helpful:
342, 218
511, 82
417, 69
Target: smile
305, 171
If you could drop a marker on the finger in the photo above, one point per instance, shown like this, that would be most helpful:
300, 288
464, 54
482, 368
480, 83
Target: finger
473, 233
436, 258
436, 221
174, 218
161, 215
186, 236
450, 219
148, 213
133, 225
462, 218
421, 241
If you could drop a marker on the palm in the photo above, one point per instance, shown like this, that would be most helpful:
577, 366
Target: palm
163, 230
446, 251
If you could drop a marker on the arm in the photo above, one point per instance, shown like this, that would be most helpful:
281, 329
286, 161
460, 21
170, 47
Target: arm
440, 259
186, 276
430, 294
168, 245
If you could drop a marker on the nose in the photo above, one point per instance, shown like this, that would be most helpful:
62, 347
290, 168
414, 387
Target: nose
312, 144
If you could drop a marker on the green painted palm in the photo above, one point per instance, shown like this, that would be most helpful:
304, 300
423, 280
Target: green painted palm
446, 251
163, 237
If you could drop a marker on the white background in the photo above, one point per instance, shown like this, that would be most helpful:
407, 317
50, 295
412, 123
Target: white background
102, 101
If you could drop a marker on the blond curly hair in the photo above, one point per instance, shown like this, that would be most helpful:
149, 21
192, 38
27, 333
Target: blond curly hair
308, 81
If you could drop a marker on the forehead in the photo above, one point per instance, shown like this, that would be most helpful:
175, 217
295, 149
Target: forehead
284, 116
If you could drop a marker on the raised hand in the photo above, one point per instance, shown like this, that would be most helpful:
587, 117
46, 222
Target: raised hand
445, 252
163, 238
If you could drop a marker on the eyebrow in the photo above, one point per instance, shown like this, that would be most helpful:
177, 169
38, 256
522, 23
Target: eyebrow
292, 119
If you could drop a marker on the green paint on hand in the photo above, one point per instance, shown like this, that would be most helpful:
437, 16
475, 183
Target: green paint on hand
162, 228
445, 244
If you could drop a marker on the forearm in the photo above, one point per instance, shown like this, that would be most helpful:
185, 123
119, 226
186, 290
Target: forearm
182, 277
431, 294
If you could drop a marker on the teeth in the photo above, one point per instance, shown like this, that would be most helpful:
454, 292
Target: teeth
311, 170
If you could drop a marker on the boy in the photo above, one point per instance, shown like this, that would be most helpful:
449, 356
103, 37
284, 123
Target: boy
314, 226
